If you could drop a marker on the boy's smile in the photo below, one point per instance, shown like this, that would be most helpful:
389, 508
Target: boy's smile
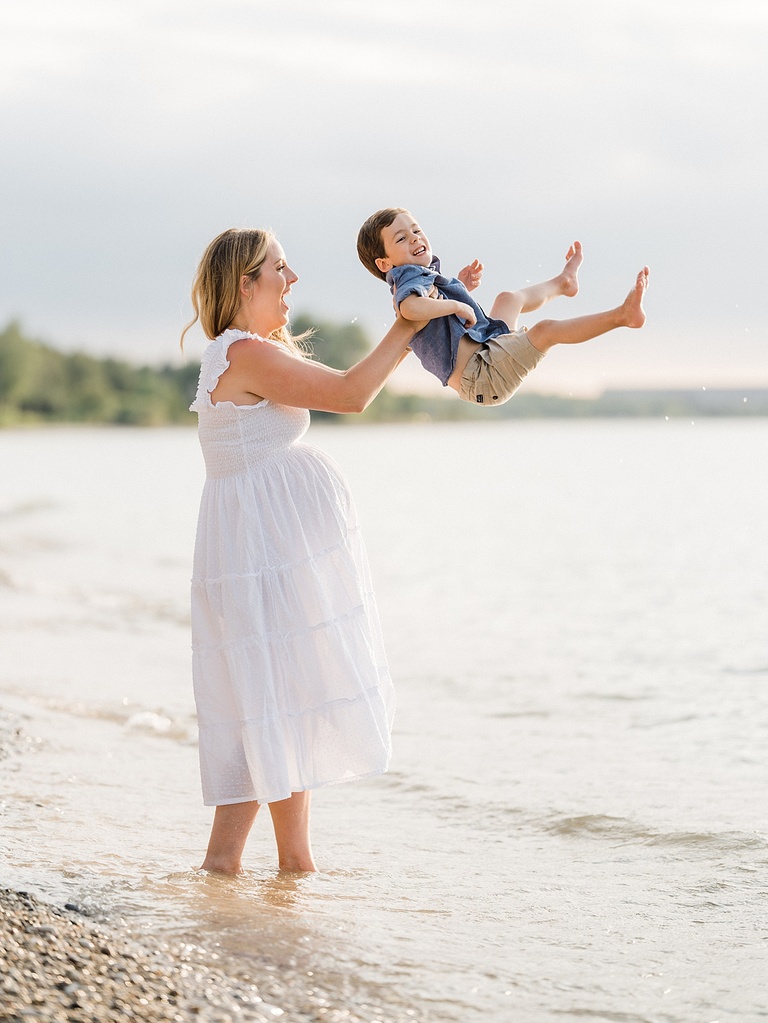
404, 242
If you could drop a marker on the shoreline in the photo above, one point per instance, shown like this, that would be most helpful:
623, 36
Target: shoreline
58, 964
61, 966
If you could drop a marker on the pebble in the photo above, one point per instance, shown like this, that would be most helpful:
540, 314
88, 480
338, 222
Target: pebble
12, 737
57, 966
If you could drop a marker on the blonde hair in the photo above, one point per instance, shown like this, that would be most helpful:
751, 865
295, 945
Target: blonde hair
232, 255
370, 247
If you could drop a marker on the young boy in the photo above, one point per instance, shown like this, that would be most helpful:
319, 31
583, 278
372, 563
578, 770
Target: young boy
483, 358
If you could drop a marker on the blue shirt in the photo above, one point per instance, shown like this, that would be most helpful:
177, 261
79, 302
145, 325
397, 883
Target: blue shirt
436, 344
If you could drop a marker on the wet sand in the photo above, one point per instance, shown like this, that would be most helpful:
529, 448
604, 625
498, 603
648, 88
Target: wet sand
58, 965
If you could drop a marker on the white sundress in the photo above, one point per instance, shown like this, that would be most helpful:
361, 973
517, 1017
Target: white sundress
291, 683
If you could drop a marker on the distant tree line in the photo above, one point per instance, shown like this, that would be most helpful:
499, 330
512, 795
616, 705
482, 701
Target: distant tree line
40, 384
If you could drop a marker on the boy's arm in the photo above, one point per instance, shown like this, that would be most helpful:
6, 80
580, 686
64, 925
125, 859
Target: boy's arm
417, 307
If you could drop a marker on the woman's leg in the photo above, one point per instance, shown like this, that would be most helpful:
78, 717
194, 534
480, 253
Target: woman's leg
231, 826
290, 818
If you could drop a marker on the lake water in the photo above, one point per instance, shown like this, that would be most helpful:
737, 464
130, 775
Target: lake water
576, 614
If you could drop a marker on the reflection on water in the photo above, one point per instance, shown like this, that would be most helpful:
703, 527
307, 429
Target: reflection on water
275, 923
250, 896
574, 821
247, 912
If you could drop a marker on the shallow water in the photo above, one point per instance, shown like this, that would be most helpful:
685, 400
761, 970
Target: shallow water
574, 826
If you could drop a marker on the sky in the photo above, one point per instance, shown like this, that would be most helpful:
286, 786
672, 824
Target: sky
133, 133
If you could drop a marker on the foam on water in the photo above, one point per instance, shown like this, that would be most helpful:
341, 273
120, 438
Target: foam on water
574, 823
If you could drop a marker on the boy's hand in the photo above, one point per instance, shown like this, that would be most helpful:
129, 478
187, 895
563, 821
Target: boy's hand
466, 313
472, 275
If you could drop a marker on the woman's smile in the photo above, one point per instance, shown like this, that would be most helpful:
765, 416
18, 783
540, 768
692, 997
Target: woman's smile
268, 301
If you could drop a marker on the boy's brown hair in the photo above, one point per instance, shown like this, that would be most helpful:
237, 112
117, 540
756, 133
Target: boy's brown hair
369, 244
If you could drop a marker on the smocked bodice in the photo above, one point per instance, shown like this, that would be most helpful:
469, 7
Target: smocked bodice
237, 439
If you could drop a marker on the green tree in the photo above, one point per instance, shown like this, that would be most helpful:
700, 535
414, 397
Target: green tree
38, 383
340, 345
13, 356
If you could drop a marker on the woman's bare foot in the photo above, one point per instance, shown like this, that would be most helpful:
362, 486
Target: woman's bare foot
222, 866
632, 312
298, 866
568, 280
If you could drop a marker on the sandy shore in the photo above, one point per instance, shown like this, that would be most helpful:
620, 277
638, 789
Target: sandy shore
60, 967
57, 965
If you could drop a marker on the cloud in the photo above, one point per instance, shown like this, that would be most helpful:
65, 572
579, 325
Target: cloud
133, 133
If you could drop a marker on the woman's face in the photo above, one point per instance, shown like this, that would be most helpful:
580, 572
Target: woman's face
265, 304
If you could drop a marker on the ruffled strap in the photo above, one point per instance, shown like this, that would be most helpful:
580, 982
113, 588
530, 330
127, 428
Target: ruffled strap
213, 364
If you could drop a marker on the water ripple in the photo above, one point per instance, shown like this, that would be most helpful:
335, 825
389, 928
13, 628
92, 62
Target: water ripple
621, 830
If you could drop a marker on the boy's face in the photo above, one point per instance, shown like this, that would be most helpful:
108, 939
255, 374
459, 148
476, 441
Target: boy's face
404, 242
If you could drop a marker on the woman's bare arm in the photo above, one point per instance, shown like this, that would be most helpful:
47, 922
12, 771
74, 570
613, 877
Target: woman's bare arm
259, 369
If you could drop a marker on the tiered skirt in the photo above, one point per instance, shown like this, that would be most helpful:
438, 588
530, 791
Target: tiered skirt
291, 683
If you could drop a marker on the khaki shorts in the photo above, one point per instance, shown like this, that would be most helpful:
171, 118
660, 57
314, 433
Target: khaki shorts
497, 369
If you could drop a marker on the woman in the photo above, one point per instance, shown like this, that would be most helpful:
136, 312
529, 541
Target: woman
291, 685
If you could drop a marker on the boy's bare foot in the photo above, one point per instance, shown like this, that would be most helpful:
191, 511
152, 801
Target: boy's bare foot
632, 312
568, 280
